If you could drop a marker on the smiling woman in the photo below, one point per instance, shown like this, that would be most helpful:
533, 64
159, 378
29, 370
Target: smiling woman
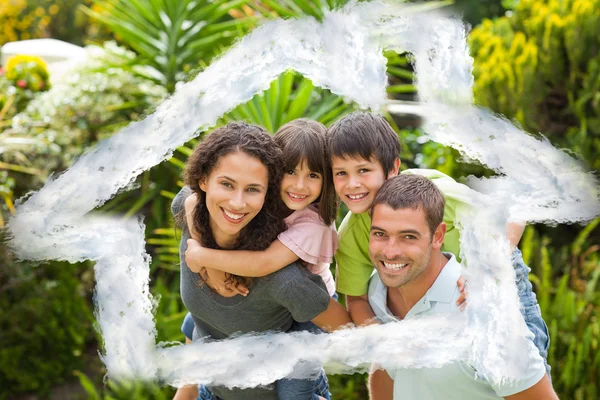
235, 193
235, 173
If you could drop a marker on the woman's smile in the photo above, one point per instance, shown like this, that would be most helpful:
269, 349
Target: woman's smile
235, 194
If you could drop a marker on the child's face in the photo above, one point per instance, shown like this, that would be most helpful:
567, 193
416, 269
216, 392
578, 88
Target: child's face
300, 187
357, 181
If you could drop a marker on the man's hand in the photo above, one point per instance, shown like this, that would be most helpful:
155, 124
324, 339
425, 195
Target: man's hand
462, 299
360, 310
381, 386
186, 393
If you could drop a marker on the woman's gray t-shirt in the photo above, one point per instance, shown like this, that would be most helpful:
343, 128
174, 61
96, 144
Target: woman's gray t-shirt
274, 302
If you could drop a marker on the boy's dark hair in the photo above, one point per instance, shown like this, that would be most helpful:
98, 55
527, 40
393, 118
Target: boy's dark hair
303, 139
413, 191
364, 134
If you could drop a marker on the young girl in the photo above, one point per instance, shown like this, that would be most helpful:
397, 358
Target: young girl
307, 192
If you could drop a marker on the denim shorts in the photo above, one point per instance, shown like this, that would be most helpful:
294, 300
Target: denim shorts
188, 326
320, 387
530, 309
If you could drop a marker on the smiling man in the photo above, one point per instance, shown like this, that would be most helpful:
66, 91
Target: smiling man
415, 278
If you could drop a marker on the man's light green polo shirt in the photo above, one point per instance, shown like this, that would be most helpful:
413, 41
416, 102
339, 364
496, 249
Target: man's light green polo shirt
456, 381
354, 266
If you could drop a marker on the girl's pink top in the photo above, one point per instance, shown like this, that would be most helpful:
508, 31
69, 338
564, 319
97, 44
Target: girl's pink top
312, 241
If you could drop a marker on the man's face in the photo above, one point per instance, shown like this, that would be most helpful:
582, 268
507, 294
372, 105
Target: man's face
400, 244
357, 181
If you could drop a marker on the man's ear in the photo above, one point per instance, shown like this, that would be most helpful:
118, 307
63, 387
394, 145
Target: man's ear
438, 236
395, 169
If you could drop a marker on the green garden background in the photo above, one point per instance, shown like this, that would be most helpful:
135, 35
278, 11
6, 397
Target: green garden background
536, 61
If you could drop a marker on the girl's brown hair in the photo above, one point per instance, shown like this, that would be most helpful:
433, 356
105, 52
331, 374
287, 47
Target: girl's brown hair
256, 142
305, 140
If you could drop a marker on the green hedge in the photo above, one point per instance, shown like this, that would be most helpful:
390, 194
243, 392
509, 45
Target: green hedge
45, 324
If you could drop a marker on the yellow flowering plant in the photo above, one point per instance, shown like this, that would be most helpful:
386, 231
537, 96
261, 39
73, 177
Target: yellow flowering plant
28, 72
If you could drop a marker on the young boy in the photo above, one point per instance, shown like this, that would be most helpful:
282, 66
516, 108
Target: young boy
364, 152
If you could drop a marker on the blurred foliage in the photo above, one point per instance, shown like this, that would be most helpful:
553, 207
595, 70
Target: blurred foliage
570, 304
23, 78
45, 323
21, 21
348, 387
541, 66
27, 72
123, 390
172, 37
82, 109
474, 11
35, 19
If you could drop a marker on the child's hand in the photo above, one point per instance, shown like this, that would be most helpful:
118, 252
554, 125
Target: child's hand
216, 280
462, 299
193, 255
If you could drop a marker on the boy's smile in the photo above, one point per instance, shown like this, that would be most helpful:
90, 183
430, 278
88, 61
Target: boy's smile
357, 181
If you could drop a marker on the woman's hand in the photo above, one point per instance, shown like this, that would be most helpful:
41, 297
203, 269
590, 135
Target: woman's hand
462, 299
216, 281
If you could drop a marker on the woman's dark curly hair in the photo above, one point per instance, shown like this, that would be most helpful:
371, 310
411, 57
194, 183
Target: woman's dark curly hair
256, 142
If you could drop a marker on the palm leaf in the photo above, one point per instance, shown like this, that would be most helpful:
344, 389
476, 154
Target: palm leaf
169, 36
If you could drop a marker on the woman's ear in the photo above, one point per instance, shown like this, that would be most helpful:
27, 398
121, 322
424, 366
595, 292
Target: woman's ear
202, 184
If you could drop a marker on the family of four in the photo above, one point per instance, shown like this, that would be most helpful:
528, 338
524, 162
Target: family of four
258, 235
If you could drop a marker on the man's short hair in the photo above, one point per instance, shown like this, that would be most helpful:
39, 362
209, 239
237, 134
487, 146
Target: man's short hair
366, 135
413, 191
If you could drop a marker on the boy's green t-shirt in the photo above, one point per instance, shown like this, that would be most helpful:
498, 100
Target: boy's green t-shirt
354, 267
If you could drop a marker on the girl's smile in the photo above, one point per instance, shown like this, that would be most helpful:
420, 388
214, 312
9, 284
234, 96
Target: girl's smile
301, 187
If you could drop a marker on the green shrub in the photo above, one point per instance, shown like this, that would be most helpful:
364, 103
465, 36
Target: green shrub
123, 390
541, 66
34, 19
85, 107
45, 324
566, 282
24, 77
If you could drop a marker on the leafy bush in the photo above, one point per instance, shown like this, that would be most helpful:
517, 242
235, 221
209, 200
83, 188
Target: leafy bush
34, 19
20, 21
570, 303
172, 37
24, 77
86, 106
27, 72
123, 390
45, 324
541, 66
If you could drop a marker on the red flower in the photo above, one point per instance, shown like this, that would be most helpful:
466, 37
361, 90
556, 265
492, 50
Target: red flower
21, 83
1, 71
